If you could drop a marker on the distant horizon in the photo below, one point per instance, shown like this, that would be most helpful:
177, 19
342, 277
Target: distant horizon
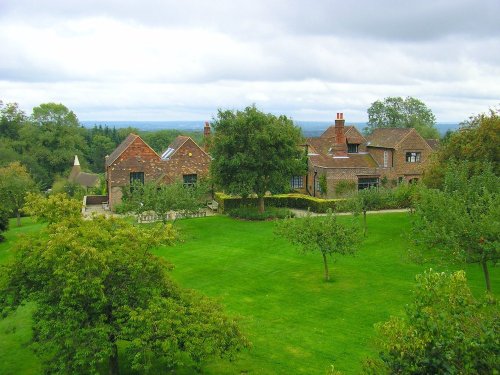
310, 128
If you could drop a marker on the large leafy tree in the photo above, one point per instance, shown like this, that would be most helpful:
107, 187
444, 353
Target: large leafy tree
323, 234
445, 330
11, 120
52, 138
15, 183
95, 283
462, 221
254, 152
477, 141
396, 112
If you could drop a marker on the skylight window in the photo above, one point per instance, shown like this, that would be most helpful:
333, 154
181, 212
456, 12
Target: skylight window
167, 153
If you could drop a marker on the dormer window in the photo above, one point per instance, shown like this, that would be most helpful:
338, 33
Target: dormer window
352, 148
413, 157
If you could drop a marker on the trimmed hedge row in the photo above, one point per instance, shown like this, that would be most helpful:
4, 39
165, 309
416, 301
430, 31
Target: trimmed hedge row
299, 201
402, 196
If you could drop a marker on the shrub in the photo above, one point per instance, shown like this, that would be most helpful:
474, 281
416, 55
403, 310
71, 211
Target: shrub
299, 201
4, 223
252, 213
344, 188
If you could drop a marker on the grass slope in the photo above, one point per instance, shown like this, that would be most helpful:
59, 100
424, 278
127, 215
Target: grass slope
298, 324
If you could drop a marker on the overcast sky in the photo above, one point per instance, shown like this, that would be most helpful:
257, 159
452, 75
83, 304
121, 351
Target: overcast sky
183, 59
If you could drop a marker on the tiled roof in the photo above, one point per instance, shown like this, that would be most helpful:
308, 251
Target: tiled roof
351, 161
387, 137
350, 131
354, 136
320, 156
121, 147
174, 146
434, 143
86, 179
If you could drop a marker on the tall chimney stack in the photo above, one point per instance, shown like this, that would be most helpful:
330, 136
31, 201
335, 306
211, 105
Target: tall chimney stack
206, 136
340, 147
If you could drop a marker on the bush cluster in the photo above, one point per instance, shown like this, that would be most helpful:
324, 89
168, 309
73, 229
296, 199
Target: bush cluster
4, 223
252, 213
402, 196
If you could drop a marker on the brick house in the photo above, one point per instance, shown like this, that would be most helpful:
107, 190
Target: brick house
134, 160
342, 153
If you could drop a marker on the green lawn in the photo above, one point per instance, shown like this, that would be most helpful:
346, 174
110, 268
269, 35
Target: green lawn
297, 323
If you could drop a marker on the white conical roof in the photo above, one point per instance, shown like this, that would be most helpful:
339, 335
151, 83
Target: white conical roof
77, 162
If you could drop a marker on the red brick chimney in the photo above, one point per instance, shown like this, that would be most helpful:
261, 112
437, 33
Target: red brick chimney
206, 136
340, 147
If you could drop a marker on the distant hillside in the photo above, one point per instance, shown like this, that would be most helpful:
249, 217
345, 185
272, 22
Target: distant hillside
309, 128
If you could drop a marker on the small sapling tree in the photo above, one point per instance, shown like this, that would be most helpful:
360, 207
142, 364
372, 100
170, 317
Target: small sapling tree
462, 220
15, 183
323, 234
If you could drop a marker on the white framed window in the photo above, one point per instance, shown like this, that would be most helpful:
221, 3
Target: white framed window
386, 158
413, 157
297, 182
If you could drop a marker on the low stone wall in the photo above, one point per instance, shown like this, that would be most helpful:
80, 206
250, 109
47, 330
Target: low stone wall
96, 199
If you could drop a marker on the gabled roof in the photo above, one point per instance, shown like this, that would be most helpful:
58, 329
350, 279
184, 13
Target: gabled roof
321, 156
174, 146
388, 137
86, 179
434, 143
352, 134
121, 148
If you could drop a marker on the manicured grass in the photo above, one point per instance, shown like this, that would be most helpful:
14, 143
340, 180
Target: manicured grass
297, 323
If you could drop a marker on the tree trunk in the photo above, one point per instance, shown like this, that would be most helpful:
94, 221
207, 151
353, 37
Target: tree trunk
327, 275
486, 275
18, 215
364, 222
261, 204
113, 358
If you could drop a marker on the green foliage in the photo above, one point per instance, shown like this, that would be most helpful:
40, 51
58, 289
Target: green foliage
15, 183
445, 331
307, 325
52, 209
323, 234
11, 120
72, 189
162, 198
299, 201
54, 136
344, 188
4, 223
323, 185
476, 141
252, 213
462, 220
95, 283
396, 112
254, 152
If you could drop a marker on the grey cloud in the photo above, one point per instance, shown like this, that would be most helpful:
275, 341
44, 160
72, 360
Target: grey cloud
386, 19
